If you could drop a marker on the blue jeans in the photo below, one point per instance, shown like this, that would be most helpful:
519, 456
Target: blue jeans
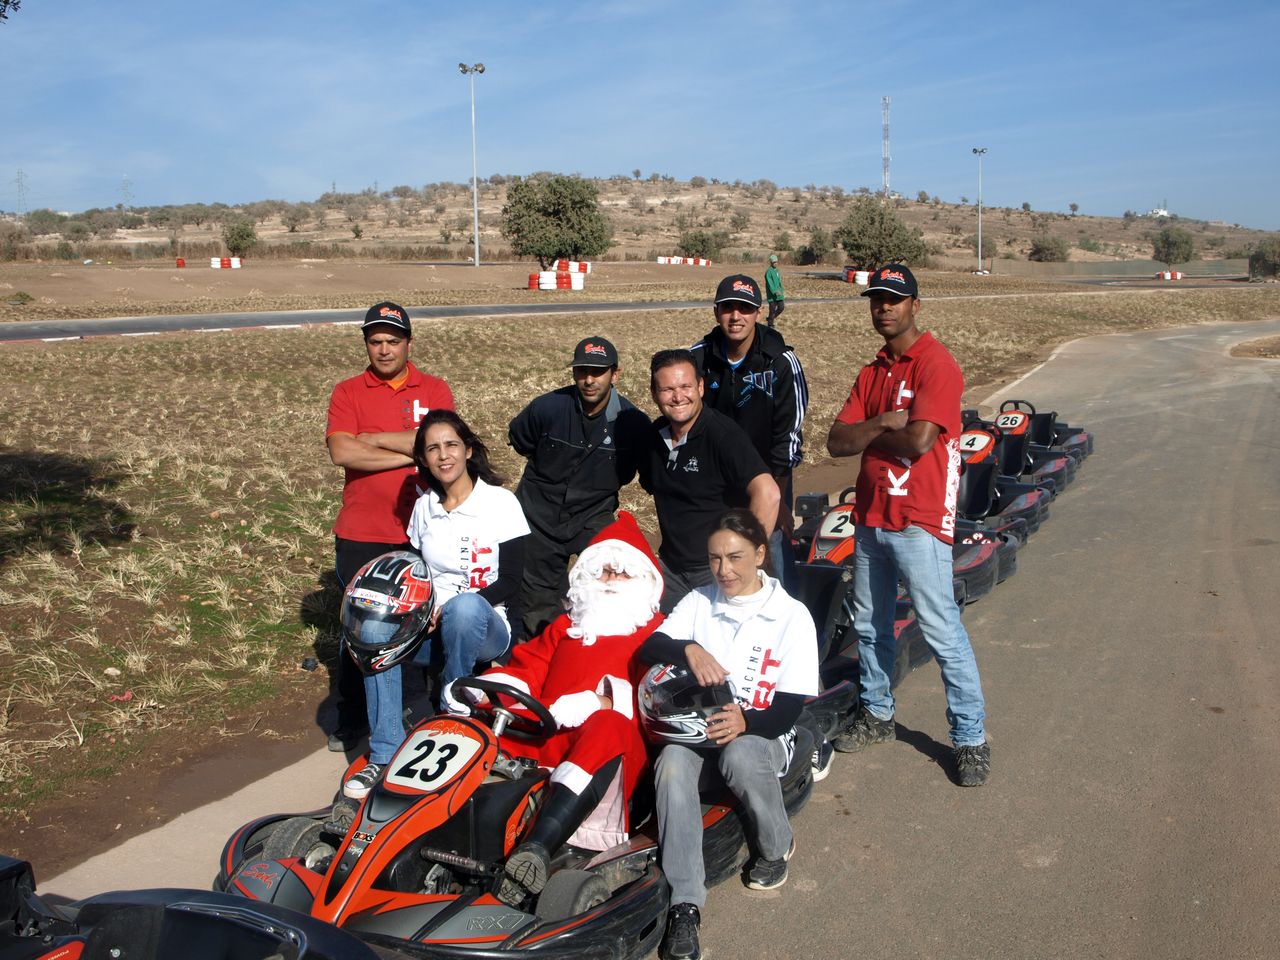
750, 767
470, 632
923, 563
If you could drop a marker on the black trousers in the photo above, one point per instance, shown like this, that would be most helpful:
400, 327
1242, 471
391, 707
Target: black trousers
775, 310
349, 557
545, 581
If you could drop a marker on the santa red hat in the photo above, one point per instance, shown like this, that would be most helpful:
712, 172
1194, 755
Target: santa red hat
623, 546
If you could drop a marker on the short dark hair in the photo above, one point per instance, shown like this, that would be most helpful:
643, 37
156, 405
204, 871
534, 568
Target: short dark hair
671, 358
745, 524
477, 464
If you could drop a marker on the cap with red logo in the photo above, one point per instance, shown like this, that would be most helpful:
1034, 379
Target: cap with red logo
740, 288
594, 352
893, 278
388, 313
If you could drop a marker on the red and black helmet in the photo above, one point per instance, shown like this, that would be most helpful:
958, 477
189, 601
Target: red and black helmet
386, 609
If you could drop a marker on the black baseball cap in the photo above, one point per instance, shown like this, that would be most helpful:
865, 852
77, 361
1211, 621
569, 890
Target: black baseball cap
738, 287
893, 278
594, 352
389, 314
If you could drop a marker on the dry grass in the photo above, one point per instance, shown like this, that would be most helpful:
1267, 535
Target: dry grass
165, 515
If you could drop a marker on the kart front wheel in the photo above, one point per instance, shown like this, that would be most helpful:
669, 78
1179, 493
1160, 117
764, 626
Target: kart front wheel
295, 837
571, 892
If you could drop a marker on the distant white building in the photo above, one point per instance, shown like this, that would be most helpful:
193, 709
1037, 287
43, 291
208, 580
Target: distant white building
1158, 212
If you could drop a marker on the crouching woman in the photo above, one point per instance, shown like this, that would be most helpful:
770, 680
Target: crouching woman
746, 631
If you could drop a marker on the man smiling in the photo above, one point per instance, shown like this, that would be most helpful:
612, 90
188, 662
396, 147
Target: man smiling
698, 464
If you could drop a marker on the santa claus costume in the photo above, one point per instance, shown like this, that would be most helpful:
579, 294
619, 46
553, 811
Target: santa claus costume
583, 666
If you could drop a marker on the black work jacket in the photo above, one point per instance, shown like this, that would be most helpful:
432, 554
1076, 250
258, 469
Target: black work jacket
576, 464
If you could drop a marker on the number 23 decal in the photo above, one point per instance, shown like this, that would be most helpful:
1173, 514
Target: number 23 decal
427, 762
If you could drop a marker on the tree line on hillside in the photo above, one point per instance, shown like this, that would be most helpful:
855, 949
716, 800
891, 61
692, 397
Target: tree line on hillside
548, 216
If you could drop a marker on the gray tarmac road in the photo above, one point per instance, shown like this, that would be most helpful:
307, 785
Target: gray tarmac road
1131, 674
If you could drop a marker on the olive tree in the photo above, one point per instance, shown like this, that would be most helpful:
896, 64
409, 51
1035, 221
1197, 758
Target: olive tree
873, 235
549, 216
239, 236
1173, 245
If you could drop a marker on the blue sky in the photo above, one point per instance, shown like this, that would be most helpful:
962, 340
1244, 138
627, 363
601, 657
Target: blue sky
1112, 106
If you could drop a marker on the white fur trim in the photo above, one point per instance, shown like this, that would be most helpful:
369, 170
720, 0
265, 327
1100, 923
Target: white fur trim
572, 776
620, 692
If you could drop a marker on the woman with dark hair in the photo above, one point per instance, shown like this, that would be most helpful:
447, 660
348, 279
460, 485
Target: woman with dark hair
745, 631
470, 532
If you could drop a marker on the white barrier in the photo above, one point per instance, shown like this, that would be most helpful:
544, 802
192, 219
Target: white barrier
1169, 275
686, 261
224, 263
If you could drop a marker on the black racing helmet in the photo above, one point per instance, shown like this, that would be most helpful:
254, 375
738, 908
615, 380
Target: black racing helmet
674, 706
386, 609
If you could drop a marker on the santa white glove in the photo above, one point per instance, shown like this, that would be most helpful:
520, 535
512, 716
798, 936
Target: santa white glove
452, 704
572, 709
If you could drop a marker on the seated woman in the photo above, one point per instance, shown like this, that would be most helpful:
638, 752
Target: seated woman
583, 667
470, 532
744, 630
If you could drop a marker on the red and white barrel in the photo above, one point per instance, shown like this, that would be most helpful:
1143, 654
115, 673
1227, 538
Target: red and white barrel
224, 263
1169, 275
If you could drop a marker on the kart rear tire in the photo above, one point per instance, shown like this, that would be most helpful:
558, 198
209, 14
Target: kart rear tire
571, 892
295, 837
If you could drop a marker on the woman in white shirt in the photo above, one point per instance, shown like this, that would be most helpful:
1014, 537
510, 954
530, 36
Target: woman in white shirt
743, 629
470, 532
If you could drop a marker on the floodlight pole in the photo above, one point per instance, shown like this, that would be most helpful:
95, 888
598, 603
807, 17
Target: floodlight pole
471, 72
980, 152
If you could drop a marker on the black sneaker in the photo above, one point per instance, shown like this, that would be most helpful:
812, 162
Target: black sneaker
770, 874
973, 764
525, 873
680, 942
358, 787
823, 756
865, 730
347, 737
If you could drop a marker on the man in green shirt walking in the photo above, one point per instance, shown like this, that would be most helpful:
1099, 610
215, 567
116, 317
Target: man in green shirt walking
773, 290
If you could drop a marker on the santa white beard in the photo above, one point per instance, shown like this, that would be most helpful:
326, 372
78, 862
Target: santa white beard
613, 609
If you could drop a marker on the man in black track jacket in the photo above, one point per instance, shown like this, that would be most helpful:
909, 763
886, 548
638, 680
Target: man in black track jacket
582, 443
752, 376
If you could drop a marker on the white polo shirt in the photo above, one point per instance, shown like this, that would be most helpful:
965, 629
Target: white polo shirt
461, 546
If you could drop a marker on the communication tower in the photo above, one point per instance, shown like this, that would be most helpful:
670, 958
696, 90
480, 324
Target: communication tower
884, 112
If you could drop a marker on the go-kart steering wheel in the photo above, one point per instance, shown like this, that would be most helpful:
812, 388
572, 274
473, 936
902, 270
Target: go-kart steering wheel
540, 725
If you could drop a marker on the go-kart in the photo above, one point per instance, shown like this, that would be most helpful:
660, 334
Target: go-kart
415, 865
160, 925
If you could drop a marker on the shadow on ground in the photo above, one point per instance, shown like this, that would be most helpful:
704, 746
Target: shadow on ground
57, 502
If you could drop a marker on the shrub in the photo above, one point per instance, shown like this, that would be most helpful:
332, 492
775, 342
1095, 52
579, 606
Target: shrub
697, 181
64, 250
703, 243
43, 221
1047, 248
549, 216
1173, 245
817, 248
782, 242
872, 235
1265, 260
988, 245
740, 221
239, 237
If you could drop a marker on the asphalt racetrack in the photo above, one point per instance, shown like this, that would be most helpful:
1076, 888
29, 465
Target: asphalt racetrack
1132, 684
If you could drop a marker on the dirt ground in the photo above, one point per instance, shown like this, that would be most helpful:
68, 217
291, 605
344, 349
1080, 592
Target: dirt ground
1267, 349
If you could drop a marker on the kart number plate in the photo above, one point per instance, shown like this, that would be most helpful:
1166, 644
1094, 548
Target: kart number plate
975, 441
1012, 422
837, 525
429, 759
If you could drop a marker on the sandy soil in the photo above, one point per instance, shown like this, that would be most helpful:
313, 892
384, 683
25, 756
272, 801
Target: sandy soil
1267, 348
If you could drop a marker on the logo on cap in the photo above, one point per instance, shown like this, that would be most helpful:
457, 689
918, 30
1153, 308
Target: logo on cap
594, 348
742, 286
390, 312
892, 275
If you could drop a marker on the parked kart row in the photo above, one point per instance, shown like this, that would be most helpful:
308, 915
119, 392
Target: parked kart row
411, 870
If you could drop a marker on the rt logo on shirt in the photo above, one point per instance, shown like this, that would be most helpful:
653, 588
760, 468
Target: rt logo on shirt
691, 465
903, 394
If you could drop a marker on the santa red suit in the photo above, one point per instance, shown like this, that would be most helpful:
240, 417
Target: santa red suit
586, 654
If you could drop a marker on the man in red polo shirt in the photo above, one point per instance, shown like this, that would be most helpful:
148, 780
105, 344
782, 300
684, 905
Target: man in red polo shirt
373, 418
903, 416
